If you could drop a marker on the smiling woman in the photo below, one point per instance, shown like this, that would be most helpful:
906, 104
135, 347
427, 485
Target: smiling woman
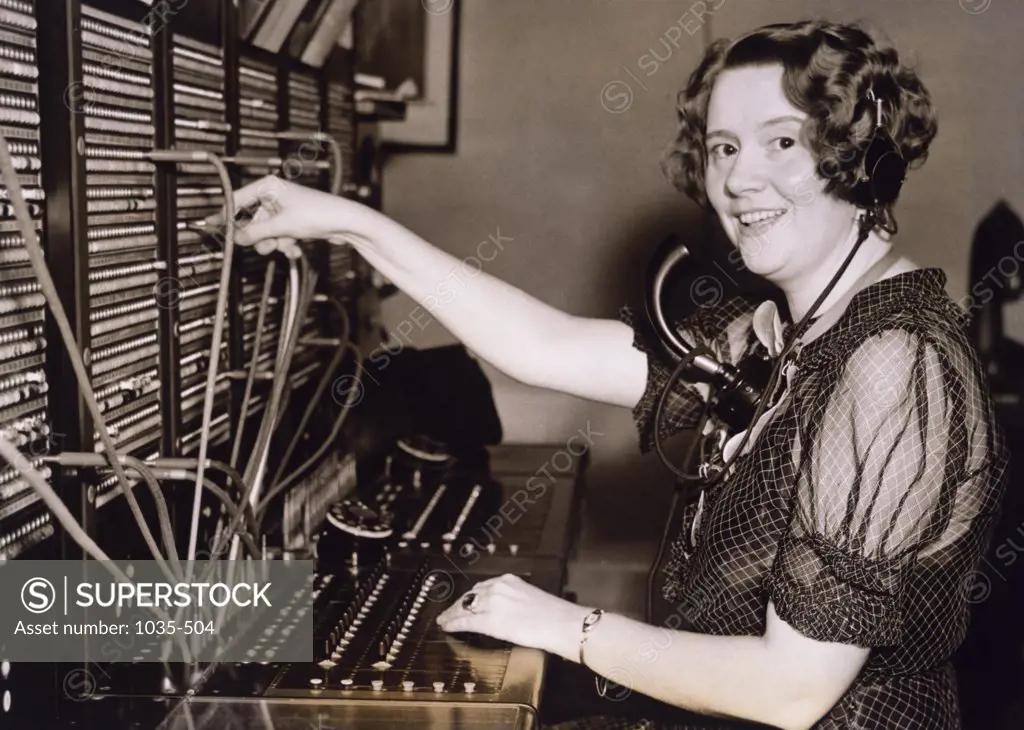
821, 578
840, 540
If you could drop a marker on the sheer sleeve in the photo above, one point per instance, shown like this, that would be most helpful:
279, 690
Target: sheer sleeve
871, 492
724, 329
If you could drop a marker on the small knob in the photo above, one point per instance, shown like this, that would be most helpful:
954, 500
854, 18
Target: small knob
491, 547
377, 684
469, 686
407, 685
439, 686
514, 549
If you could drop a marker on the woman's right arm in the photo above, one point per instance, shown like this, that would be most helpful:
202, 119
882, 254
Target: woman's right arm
518, 334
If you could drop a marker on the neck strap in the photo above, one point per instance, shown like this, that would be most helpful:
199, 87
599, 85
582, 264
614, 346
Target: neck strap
832, 315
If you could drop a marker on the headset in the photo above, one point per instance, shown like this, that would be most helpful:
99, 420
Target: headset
883, 168
740, 393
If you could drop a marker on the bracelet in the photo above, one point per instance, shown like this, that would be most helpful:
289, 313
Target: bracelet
588, 623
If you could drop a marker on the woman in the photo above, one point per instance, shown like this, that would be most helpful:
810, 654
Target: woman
824, 584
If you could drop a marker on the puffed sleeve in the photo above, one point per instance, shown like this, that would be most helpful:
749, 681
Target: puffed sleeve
723, 329
872, 490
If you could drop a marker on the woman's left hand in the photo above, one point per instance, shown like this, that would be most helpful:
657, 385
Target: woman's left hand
510, 609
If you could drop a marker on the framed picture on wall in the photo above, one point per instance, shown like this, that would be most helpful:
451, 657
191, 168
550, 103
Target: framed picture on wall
427, 74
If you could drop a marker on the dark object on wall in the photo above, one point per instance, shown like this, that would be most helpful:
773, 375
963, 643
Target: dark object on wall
995, 241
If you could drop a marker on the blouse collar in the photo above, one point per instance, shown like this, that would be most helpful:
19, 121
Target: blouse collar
918, 286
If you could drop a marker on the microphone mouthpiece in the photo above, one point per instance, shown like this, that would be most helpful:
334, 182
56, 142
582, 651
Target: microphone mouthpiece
667, 257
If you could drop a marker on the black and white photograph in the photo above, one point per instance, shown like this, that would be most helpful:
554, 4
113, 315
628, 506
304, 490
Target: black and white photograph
511, 365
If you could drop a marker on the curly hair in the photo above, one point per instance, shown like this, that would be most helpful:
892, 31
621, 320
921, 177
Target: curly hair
828, 70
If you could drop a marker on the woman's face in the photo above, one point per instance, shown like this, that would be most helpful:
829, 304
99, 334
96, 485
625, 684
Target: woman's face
762, 178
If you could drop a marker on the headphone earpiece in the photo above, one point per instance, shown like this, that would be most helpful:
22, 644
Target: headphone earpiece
883, 168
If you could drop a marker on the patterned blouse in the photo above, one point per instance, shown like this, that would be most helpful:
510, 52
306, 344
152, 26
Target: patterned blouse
861, 504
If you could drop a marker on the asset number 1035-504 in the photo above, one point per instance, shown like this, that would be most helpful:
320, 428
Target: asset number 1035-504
172, 627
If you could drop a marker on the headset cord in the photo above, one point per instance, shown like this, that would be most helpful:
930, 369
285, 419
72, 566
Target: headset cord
677, 493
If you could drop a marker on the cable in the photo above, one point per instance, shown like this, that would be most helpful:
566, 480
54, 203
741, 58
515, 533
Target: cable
163, 515
253, 473
335, 430
218, 332
220, 316
59, 510
253, 161
315, 399
286, 347
268, 280
311, 405
162, 469
53, 300
260, 451
93, 460
225, 499
299, 295
666, 531
231, 473
174, 464
337, 171
337, 176
660, 410
305, 300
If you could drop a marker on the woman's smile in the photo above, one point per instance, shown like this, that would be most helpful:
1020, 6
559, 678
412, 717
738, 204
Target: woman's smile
757, 224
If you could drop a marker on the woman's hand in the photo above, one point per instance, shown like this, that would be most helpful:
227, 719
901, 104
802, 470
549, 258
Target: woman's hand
510, 609
288, 213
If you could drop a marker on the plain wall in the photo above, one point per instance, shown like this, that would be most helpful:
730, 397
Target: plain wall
550, 154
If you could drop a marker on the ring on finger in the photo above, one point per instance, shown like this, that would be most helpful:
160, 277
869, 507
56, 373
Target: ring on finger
470, 601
